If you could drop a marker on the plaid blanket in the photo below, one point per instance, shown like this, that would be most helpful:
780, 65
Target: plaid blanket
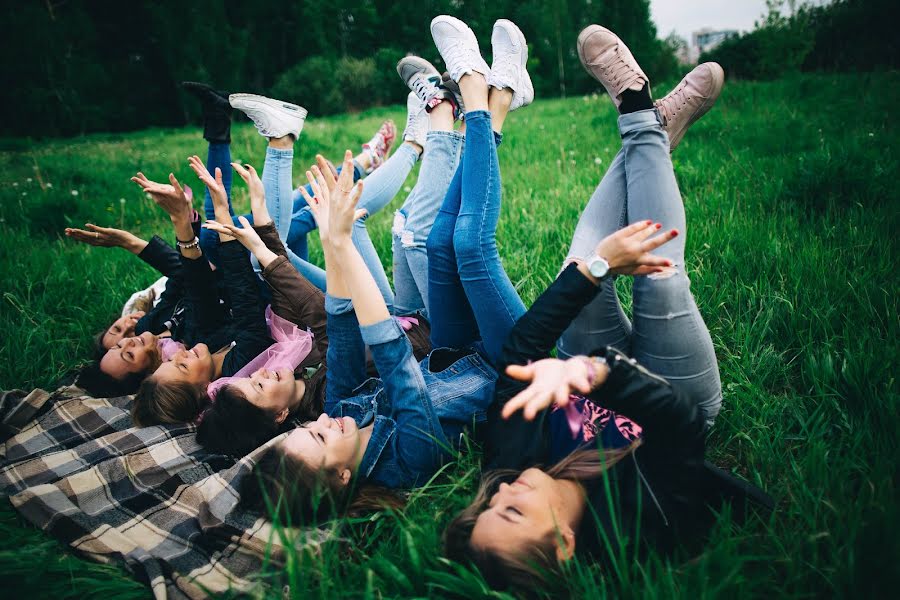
152, 498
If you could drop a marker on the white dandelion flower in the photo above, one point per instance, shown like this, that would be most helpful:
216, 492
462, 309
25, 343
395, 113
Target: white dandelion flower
74, 192
598, 160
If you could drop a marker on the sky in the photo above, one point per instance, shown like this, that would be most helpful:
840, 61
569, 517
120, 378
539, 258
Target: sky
687, 16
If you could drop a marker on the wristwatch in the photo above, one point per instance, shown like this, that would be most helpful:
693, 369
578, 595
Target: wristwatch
597, 266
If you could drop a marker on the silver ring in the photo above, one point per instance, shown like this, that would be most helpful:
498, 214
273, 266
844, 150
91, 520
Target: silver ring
346, 191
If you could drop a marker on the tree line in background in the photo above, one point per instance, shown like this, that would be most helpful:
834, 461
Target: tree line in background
846, 35
75, 66
104, 65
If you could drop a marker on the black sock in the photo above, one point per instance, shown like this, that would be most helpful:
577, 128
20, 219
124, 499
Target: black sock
634, 101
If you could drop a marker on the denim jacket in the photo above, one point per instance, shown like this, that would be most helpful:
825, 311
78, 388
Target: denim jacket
418, 414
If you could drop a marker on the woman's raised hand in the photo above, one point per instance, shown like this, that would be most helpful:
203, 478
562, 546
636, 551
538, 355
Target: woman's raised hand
245, 234
213, 184
628, 250
327, 190
552, 380
104, 237
258, 206
171, 197
344, 198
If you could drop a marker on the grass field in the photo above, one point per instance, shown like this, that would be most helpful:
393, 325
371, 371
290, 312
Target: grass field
791, 196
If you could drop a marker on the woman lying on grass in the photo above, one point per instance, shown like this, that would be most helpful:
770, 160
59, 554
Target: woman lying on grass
249, 411
527, 521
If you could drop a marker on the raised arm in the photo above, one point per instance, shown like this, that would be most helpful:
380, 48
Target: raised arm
251, 335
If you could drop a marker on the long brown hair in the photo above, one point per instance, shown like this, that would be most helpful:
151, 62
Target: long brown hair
298, 493
538, 564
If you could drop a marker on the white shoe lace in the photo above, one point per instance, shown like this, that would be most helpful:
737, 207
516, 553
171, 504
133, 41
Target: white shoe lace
459, 53
424, 88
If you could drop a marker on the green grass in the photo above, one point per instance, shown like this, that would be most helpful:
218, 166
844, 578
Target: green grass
791, 195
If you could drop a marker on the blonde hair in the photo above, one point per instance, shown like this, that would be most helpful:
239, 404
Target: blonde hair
537, 564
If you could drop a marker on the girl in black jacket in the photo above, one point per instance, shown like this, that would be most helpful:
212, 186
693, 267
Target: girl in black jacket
650, 491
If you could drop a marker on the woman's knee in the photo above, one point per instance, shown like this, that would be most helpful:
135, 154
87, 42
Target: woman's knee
440, 238
667, 290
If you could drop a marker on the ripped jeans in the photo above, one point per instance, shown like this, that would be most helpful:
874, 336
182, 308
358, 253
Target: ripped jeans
667, 334
413, 221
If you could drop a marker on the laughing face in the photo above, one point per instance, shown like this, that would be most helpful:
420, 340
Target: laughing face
326, 443
194, 366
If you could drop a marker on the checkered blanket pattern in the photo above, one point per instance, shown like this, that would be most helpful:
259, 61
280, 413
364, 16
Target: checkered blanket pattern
151, 497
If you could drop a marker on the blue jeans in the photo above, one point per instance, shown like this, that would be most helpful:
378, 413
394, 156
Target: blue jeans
668, 335
380, 188
413, 221
470, 295
302, 221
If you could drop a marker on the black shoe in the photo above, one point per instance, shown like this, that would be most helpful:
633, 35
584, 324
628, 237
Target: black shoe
216, 111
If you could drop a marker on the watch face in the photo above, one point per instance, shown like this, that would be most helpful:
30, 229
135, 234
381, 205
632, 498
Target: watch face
598, 267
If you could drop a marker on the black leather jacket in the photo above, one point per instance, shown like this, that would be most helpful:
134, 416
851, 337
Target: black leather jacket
665, 485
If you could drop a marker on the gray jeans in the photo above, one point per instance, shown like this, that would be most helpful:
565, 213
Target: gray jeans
668, 335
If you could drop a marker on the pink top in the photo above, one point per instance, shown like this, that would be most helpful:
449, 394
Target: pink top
290, 348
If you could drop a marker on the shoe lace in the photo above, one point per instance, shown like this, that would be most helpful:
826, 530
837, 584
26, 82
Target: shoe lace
456, 52
617, 71
675, 101
424, 88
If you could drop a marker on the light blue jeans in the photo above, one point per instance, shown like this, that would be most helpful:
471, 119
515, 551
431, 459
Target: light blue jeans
380, 188
668, 335
413, 221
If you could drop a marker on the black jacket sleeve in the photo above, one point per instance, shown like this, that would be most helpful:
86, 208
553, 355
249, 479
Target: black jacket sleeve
673, 425
155, 320
251, 335
516, 443
162, 257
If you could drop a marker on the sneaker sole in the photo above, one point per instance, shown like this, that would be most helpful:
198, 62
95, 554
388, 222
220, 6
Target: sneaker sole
278, 104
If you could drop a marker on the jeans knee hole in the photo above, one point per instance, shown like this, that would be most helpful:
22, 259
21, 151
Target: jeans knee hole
665, 273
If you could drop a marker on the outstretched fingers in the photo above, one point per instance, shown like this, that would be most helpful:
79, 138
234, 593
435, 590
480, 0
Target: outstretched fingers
656, 242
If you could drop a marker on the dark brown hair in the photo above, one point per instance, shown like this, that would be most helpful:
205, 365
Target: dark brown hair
538, 565
298, 493
160, 402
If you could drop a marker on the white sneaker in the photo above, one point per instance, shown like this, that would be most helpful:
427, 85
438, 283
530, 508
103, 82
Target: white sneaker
458, 47
509, 67
417, 120
273, 118
420, 76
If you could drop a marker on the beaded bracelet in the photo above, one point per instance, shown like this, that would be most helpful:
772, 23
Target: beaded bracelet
194, 243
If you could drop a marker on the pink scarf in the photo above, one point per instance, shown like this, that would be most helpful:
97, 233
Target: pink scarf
290, 348
168, 348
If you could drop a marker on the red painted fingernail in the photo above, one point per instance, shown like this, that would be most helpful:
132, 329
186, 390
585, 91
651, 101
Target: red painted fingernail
674, 232
648, 222
659, 225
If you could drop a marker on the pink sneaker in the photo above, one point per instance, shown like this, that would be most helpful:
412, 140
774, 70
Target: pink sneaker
690, 100
610, 62
379, 146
